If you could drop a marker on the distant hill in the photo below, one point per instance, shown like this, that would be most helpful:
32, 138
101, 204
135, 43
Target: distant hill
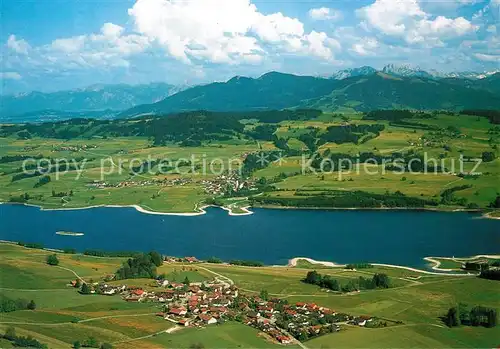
384, 91
57, 115
352, 72
408, 70
93, 98
270, 91
361, 93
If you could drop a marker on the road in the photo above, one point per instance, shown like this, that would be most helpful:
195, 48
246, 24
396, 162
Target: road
170, 330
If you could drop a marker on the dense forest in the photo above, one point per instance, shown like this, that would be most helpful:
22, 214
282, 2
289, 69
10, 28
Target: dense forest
476, 316
142, 265
345, 199
189, 129
492, 115
349, 133
8, 305
396, 115
326, 281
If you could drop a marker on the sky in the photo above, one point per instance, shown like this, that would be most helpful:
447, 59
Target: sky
51, 45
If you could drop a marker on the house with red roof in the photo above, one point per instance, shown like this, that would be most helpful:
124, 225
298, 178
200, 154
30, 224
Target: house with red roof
300, 305
184, 322
180, 311
207, 319
284, 339
138, 292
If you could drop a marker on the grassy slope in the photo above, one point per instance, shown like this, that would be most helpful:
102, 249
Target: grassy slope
417, 303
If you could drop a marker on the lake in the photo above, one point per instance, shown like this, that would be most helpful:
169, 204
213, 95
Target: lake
271, 236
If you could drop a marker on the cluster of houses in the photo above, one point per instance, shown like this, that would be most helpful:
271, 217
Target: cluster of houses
286, 322
227, 183
213, 302
198, 304
73, 148
96, 184
30, 148
193, 304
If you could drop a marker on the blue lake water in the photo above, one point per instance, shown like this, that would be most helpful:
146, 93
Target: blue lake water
271, 236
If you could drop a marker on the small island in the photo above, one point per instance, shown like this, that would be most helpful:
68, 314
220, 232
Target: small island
69, 233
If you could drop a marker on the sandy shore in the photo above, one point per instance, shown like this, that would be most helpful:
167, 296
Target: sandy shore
436, 263
421, 271
293, 262
246, 211
145, 211
489, 216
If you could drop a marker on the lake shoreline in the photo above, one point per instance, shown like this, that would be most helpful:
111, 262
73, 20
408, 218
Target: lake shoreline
247, 210
292, 263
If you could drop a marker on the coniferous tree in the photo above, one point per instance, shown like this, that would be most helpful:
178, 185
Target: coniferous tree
85, 289
452, 317
31, 305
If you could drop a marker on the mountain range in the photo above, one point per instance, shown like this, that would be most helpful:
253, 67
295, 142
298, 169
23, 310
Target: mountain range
378, 90
407, 70
92, 98
357, 89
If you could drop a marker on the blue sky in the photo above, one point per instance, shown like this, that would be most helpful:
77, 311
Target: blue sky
55, 45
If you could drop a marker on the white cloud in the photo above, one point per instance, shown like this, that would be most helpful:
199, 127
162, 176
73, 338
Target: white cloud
491, 29
69, 45
10, 75
325, 13
365, 47
112, 30
109, 48
221, 31
391, 17
441, 28
487, 58
406, 19
320, 45
18, 46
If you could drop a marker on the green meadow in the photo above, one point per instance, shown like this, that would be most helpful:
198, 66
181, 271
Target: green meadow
415, 300
110, 160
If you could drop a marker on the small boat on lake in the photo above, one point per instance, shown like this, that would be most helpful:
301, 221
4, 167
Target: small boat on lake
69, 233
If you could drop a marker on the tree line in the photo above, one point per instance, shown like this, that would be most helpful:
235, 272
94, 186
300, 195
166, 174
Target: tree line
22, 342
396, 115
344, 199
142, 265
476, 316
492, 115
91, 342
349, 133
100, 253
188, 128
378, 280
246, 263
14, 158
8, 305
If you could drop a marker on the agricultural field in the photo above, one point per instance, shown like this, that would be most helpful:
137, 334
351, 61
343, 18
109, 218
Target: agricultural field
414, 303
109, 160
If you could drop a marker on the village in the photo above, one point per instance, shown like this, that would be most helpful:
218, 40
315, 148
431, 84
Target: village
96, 184
212, 302
220, 185
227, 183
73, 148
